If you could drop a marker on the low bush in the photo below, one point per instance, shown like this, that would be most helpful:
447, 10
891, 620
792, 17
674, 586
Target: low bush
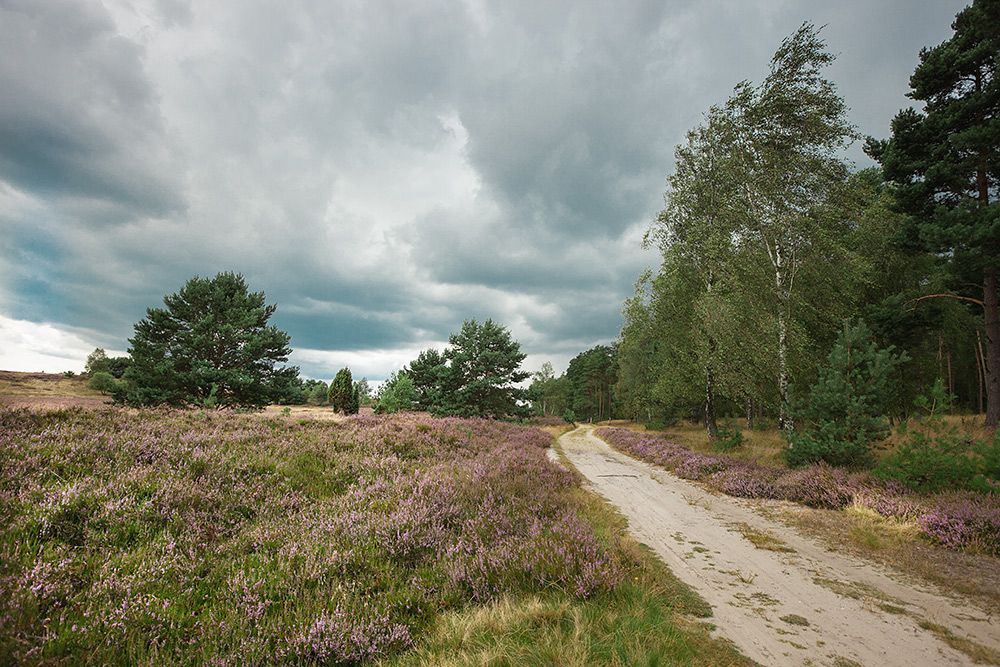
843, 413
937, 457
102, 381
728, 437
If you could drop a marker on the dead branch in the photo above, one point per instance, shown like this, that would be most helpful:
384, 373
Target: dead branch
946, 296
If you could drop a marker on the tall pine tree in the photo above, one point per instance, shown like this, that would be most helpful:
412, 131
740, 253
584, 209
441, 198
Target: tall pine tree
946, 162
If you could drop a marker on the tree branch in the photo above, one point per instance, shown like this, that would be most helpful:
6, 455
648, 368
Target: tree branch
946, 296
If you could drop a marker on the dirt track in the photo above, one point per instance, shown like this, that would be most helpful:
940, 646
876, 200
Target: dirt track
804, 606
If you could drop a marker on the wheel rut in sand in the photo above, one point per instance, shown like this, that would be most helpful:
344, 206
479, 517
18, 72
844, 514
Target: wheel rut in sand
779, 597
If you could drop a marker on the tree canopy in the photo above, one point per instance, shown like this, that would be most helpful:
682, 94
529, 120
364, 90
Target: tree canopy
477, 376
210, 345
752, 218
589, 378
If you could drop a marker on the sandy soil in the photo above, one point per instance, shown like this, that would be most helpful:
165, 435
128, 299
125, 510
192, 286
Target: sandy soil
802, 606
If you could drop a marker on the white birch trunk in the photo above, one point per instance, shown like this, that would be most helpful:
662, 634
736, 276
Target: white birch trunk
785, 422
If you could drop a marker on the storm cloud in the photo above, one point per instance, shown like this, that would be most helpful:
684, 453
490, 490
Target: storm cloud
382, 170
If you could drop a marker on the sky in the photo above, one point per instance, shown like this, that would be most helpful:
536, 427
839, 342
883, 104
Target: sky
383, 171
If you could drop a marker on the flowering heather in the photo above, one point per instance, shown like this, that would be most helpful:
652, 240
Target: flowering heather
547, 420
955, 519
192, 538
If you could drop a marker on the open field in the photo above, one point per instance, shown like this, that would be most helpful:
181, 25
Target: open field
47, 391
194, 537
77, 532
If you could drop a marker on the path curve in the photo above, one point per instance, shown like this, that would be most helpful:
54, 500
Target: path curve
807, 606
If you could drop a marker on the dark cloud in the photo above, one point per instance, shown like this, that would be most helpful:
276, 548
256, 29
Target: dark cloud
79, 121
382, 170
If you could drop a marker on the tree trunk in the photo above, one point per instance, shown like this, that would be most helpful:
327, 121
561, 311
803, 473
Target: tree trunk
785, 422
990, 309
980, 368
710, 425
749, 406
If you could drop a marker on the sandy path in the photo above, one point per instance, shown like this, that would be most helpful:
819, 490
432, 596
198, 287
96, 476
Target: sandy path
808, 606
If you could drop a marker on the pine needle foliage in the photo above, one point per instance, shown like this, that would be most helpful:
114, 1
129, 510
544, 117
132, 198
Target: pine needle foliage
844, 410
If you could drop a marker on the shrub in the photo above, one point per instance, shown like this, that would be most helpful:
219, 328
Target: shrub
842, 415
396, 394
102, 381
728, 436
954, 519
341, 395
937, 457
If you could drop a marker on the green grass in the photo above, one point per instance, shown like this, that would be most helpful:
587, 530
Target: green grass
652, 619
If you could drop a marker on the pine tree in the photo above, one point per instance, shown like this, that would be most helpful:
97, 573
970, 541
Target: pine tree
844, 411
481, 374
425, 372
211, 345
946, 163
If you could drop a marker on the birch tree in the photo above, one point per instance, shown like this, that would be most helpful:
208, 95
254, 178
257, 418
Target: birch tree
697, 229
789, 133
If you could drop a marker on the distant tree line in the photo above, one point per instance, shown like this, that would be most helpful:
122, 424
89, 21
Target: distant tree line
212, 346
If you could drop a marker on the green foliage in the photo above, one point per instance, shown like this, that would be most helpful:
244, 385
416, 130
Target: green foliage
396, 394
102, 381
547, 392
211, 340
480, 374
315, 391
937, 456
729, 437
843, 413
364, 391
944, 159
287, 387
945, 164
589, 378
211, 401
118, 365
343, 395
425, 371
757, 241
97, 362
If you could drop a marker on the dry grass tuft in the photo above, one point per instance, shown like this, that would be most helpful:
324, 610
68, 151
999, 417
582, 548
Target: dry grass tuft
871, 531
762, 539
980, 654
